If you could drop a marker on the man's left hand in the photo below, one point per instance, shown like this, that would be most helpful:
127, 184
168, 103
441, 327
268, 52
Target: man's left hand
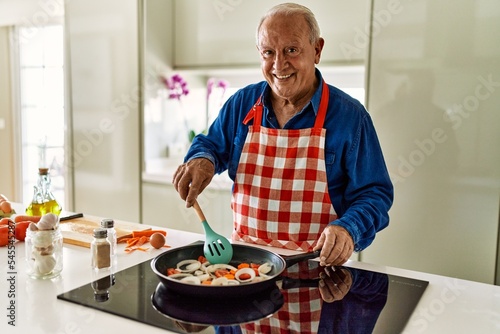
334, 283
336, 246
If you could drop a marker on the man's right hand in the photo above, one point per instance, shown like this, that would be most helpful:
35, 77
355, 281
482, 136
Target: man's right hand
191, 178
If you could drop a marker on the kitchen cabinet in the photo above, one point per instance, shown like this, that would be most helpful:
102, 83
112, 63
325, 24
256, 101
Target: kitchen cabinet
222, 33
105, 156
433, 93
163, 207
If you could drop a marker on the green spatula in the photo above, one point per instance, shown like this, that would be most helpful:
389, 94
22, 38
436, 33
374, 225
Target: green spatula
217, 248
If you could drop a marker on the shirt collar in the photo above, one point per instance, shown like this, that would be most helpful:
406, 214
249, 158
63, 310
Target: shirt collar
315, 100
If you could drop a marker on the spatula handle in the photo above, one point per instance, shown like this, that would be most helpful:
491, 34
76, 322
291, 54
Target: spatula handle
199, 212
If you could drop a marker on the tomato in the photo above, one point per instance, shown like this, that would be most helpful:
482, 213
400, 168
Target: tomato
245, 276
4, 235
20, 230
5, 221
6, 207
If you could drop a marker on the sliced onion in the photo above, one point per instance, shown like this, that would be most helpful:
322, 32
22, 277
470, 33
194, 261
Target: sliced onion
191, 280
265, 268
203, 277
188, 266
248, 271
232, 282
179, 276
214, 267
220, 281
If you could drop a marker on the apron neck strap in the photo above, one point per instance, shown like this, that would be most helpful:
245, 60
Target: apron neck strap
323, 106
257, 110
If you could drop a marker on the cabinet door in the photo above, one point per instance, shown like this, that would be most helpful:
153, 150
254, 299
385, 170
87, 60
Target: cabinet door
433, 96
103, 59
222, 33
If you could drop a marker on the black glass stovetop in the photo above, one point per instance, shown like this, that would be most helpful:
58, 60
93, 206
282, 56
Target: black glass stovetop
365, 302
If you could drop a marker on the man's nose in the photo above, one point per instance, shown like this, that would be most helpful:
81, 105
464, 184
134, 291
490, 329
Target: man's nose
280, 60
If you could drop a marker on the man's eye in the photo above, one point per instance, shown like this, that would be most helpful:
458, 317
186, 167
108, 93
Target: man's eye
267, 53
292, 51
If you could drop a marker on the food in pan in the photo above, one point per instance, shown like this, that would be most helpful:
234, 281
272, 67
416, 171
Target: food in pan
200, 271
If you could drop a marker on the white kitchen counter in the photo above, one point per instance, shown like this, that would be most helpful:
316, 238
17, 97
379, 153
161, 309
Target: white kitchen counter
448, 305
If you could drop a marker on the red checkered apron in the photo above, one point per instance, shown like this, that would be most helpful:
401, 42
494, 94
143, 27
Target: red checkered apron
301, 311
280, 196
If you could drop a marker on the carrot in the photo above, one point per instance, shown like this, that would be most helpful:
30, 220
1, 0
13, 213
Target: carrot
142, 241
171, 271
243, 265
20, 218
131, 249
220, 272
136, 243
147, 233
138, 239
132, 241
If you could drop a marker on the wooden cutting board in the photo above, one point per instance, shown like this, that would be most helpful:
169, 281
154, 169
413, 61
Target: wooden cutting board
79, 231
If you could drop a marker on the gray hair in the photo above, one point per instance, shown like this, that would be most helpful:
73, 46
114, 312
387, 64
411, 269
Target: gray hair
290, 9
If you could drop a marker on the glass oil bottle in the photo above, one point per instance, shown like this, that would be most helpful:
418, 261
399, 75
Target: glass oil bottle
43, 200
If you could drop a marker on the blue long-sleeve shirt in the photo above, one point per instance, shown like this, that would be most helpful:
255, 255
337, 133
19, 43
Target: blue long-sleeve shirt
358, 182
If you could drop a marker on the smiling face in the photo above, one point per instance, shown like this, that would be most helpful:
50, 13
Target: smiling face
288, 57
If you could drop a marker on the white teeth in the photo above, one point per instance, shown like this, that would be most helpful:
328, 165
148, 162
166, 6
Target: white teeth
283, 76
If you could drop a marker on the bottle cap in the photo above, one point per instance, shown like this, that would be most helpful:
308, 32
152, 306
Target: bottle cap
43, 171
107, 223
100, 233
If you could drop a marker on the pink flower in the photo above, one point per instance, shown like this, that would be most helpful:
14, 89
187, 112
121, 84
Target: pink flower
212, 82
176, 85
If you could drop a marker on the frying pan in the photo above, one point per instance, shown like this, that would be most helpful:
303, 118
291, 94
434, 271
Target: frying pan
241, 253
204, 311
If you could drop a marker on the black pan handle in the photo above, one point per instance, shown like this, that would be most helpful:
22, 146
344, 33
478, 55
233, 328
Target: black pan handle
293, 259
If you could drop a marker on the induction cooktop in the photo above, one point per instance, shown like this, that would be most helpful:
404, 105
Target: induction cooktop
366, 302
